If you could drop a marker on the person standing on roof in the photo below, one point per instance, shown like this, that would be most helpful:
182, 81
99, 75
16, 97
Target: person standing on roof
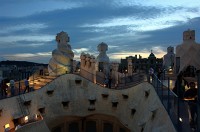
12, 87
151, 73
191, 96
26, 83
4, 88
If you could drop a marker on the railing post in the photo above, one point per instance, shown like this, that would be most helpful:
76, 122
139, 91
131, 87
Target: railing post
164, 74
19, 86
152, 80
198, 101
33, 80
161, 84
178, 105
148, 78
56, 71
125, 78
157, 84
177, 64
168, 92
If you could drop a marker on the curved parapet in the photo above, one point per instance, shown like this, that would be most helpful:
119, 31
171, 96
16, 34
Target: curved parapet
62, 57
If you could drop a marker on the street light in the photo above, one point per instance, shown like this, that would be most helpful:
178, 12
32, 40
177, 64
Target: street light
125, 75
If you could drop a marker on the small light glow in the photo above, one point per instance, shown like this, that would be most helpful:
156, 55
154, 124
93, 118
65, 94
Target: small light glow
36, 116
7, 126
26, 119
180, 119
8, 84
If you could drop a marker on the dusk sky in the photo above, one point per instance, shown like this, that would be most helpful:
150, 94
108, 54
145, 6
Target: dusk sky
129, 27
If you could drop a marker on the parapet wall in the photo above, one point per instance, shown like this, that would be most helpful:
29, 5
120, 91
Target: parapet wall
137, 108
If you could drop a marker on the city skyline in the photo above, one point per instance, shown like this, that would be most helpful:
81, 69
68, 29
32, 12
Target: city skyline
129, 27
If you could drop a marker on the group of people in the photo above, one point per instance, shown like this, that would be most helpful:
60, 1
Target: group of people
152, 72
6, 86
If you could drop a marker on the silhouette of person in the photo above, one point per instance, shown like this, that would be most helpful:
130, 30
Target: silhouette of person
12, 87
191, 95
26, 83
106, 81
179, 88
109, 81
41, 70
159, 73
151, 72
4, 88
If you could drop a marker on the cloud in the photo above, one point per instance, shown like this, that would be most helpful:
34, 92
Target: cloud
22, 45
78, 51
41, 57
160, 21
28, 55
128, 26
22, 8
97, 30
27, 26
115, 38
158, 3
113, 46
159, 50
36, 38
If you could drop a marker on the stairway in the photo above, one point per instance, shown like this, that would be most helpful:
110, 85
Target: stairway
24, 108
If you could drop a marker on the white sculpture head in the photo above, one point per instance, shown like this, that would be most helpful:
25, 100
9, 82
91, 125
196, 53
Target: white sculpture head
189, 35
62, 37
102, 47
102, 57
170, 49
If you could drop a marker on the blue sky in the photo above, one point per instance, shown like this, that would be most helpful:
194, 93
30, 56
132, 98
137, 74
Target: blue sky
129, 27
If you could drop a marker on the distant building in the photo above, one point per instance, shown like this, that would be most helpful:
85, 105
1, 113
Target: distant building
18, 69
140, 63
